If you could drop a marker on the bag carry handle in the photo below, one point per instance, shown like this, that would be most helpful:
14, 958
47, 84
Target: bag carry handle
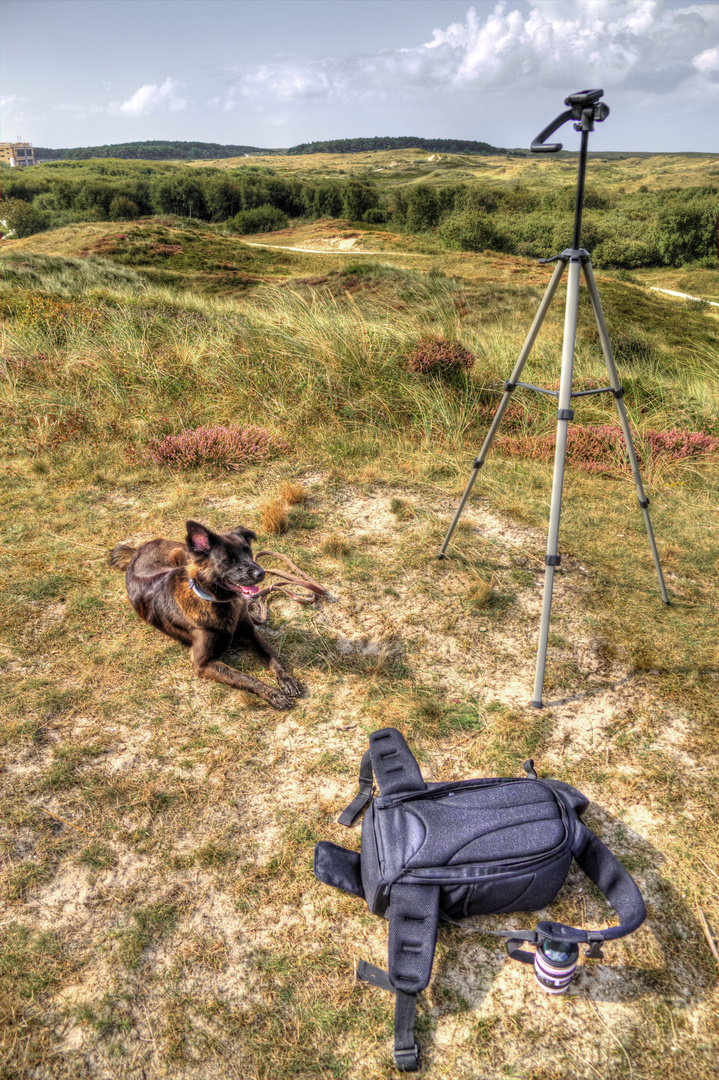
616, 885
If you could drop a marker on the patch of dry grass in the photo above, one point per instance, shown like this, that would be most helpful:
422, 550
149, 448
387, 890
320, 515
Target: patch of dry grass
292, 493
274, 516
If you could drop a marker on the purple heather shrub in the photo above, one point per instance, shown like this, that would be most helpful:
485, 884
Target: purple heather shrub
437, 355
678, 445
229, 447
601, 449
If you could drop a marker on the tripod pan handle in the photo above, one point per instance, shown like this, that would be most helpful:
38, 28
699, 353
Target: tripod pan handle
539, 146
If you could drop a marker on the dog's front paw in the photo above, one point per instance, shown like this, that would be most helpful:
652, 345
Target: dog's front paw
278, 700
289, 685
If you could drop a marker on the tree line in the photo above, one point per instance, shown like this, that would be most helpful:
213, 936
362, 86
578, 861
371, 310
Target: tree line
165, 150
622, 229
403, 142
152, 150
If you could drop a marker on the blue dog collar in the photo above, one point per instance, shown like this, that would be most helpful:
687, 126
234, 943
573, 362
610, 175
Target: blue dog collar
201, 592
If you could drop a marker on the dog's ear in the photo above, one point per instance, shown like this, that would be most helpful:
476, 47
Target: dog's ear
244, 534
199, 538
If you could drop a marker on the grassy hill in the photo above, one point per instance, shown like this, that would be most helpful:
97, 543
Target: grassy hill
639, 213
159, 912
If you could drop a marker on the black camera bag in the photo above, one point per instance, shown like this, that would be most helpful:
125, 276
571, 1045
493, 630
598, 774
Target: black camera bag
472, 847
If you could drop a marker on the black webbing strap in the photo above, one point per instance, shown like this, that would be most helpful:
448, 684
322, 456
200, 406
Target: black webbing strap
406, 1050
391, 761
374, 975
394, 763
513, 938
514, 952
364, 794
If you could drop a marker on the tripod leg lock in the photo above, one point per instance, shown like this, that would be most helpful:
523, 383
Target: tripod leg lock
553, 560
644, 503
565, 414
478, 463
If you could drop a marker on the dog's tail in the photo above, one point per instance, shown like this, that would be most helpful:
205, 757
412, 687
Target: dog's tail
120, 556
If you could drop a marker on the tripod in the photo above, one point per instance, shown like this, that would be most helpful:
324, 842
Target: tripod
586, 108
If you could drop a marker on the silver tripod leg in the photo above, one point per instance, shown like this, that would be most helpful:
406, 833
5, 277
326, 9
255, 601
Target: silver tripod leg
623, 419
496, 421
564, 415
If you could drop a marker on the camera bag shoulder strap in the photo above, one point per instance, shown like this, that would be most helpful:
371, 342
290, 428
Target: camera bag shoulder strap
614, 882
413, 909
389, 760
616, 885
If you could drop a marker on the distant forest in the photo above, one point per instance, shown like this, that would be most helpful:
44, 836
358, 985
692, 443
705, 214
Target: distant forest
155, 150
161, 150
402, 142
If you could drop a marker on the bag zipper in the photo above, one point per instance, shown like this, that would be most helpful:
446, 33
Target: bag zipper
462, 785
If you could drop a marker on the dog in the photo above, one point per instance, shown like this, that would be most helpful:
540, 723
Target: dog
197, 592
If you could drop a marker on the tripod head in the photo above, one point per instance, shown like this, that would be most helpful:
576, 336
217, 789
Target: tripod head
585, 107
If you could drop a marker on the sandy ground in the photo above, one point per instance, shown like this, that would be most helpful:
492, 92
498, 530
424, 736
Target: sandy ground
477, 657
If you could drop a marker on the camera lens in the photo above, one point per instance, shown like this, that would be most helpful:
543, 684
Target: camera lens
554, 964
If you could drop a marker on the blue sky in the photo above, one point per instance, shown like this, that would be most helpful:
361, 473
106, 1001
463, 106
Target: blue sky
276, 72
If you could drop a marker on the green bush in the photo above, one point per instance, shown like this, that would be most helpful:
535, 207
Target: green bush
470, 231
531, 235
687, 229
325, 200
356, 199
422, 208
477, 198
260, 219
181, 195
223, 196
123, 209
23, 218
617, 254
375, 215
520, 200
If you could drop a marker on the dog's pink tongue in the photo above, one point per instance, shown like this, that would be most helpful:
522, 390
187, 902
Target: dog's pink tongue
250, 590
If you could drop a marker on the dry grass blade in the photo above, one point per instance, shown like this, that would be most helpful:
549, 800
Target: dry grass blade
65, 822
708, 936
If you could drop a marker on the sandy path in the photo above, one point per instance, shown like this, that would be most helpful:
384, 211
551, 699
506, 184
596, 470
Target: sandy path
682, 295
335, 251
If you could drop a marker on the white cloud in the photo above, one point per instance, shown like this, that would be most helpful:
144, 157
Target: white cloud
16, 110
151, 98
644, 45
707, 62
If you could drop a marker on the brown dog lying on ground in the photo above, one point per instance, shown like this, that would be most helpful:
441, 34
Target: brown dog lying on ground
195, 592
